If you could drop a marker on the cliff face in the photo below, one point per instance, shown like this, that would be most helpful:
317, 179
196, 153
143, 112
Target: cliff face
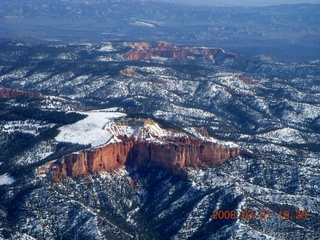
172, 152
89, 161
143, 50
12, 93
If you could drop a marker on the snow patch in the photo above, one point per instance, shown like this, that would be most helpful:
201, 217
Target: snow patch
121, 130
67, 56
33, 127
287, 135
5, 179
89, 130
107, 48
35, 154
143, 24
105, 59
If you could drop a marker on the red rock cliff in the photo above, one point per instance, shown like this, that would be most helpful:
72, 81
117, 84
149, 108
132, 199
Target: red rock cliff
144, 50
12, 93
89, 161
173, 153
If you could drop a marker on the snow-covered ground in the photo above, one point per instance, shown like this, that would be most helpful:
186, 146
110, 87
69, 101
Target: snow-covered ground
121, 130
144, 24
89, 130
35, 154
5, 179
33, 127
107, 47
287, 135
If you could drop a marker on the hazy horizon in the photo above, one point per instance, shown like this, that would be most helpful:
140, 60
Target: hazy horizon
242, 2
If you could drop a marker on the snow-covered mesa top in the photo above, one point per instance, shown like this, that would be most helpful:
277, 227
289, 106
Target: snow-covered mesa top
100, 128
150, 131
89, 130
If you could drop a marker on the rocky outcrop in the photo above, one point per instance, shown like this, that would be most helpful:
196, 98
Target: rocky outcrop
173, 153
89, 161
247, 80
12, 93
129, 72
142, 50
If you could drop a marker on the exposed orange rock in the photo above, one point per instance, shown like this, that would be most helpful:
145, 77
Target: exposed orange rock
12, 93
143, 50
150, 142
129, 72
175, 154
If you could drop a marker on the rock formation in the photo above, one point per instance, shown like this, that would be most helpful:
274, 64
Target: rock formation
165, 147
12, 93
129, 72
144, 50
247, 80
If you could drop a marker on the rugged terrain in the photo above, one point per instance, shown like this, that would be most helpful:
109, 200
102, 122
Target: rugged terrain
146, 144
283, 32
196, 96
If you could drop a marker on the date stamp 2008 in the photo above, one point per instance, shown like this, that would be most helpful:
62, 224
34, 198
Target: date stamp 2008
262, 214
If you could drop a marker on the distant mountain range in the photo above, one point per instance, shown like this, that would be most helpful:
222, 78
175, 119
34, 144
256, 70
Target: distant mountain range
286, 32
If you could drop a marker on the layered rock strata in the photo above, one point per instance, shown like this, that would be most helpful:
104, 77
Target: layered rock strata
173, 151
141, 51
13, 93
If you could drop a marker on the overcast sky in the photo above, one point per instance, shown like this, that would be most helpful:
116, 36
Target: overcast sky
243, 2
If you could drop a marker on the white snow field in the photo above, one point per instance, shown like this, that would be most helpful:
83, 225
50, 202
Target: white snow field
89, 130
5, 179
